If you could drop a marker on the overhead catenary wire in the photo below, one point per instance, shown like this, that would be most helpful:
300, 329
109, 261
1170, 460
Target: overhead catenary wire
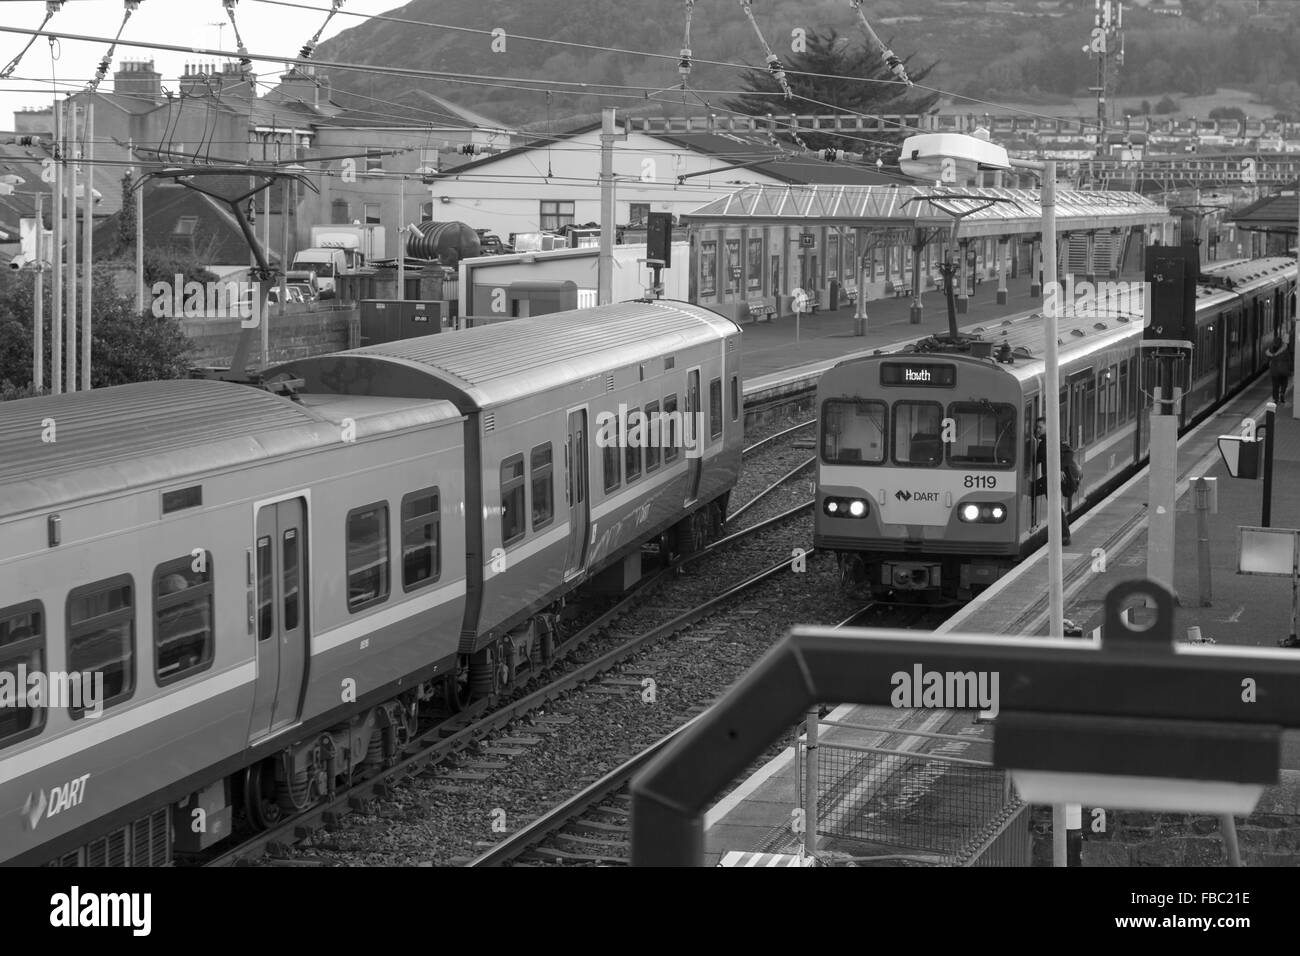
102, 70
892, 60
51, 8
309, 47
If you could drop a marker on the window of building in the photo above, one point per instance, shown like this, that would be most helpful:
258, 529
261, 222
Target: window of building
853, 432
101, 637
715, 408
372, 213
183, 627
543, 486
421, 539
708, 268
185, 226
986, 434
653, 432
340, 212
638, 214
514, 524
374, 159
918, 433
426, 211
832, 256
633, 441
672, 423
428, 159
555, 214
368, 567
22, 643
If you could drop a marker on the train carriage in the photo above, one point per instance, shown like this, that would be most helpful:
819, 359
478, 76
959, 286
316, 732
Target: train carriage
195, 542
925, 481
569, 486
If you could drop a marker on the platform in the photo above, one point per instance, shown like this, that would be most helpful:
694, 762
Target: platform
775, 363
1245, 609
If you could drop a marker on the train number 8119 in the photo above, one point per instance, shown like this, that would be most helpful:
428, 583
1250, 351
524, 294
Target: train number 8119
981, 481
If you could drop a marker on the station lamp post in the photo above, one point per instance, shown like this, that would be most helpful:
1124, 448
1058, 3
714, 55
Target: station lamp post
944, 154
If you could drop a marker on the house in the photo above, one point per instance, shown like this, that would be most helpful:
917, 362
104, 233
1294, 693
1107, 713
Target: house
554, 181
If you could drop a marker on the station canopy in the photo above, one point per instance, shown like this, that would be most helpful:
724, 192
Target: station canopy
985, 211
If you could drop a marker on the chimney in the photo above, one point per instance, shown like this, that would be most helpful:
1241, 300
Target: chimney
138, 78
299, 85
238, 80
195, 80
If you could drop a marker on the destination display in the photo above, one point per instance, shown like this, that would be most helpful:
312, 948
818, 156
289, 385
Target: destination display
923, 374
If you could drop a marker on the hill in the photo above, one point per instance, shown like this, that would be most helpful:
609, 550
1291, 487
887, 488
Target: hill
988, 50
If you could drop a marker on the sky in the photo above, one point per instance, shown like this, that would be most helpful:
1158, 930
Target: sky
265, 28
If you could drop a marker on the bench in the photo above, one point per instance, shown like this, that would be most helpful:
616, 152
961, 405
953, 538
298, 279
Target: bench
764, 307
897, 291
850, 291
813, 300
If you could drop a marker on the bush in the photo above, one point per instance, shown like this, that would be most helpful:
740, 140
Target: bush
1166, 106
126, 346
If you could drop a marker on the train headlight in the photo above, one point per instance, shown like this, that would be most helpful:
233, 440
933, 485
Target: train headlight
978, 512
845, 507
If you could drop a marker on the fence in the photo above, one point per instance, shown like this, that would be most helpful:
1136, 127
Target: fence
935, 808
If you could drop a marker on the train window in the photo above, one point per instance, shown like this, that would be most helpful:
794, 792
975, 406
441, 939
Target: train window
289, 560
101, 638
715, 409
22, 645
917, 433
368, 575
1112, 396
672, 422
1089, 410
653, 427
183, 628
543, 486
735, 398
986, 434
613, 478
513, 523
421, 539
853, 432
1123, 391
633, 431
265, 603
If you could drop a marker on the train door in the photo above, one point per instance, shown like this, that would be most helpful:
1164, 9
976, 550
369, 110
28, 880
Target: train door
575, 489
1078, 400
1032, 415
280, 557
694, 438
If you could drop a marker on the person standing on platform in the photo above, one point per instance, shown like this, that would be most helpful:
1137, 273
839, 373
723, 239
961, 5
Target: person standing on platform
1279, 367
1040, 483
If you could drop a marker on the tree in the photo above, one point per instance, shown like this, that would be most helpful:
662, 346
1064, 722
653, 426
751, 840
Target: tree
1167, 105
1146, 107
1228, 113
126, 346
836, 75
126, 218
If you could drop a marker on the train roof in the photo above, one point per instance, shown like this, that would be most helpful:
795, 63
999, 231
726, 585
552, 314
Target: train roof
130, 436
1242, 275
493, 364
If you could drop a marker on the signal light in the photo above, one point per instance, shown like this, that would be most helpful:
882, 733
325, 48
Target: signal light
982, 513
846, 507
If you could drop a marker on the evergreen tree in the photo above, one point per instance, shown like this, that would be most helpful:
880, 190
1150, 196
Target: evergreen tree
126, 218
837, 75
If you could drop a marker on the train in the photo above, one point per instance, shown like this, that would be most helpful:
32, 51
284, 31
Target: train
220, 600
926, 465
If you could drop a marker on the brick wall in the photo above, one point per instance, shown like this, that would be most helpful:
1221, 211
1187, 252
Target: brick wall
293, 335
1268, 837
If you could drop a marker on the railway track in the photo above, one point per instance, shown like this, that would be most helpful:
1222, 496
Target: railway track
593, 827
444, 741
